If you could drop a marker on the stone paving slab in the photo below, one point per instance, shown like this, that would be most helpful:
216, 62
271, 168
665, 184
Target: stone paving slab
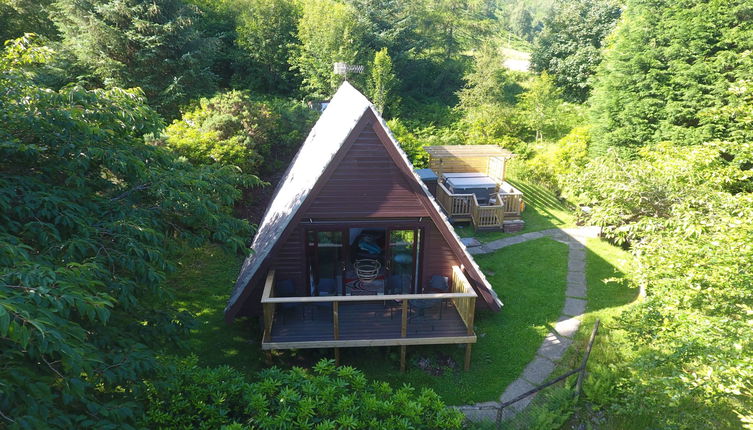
538, 370
574, 290
515, 389
576, 264
574, 307
553, 347
576, 278
479, 415
470, 241
567, 326
532, 235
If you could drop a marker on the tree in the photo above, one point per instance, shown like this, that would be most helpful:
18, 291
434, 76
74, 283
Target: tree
88, 215
570, 43
542, 107
235, 129
489, 82
329, 32
668, 66
266, 35
153, 45
382, 82
18, 17
521, 22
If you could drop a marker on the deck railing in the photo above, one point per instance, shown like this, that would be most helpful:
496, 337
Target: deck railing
461, 294
465, 305
509, 203
511, 199
457, 205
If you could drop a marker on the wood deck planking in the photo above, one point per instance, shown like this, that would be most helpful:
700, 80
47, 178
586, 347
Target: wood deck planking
366, 322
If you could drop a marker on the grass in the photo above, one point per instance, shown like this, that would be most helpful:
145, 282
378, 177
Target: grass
202, 285
607, 271
543, 211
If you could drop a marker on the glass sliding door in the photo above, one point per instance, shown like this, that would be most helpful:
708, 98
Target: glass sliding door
403, 253
326, 261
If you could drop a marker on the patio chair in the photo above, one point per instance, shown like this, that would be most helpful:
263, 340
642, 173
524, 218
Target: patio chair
286, 288
396, 284
439, 284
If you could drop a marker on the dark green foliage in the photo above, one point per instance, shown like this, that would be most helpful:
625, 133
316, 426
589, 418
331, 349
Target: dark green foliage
669, 66
18, 17
234, 129
87, 213
569, 45
266, 35
154, 45
329, 397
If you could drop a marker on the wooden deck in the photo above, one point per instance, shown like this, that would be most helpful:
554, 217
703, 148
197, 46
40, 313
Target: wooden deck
373, 320
465, 207
374, 323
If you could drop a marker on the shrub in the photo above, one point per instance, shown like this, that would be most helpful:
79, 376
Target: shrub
553, 161
234, 129
328, 397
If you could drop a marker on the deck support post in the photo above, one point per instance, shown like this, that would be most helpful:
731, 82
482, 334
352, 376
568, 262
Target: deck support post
268, 357
468, 356
402, 357
337, 356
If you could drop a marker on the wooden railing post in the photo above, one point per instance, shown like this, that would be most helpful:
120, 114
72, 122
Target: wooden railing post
404, 323
268, 308
336, 319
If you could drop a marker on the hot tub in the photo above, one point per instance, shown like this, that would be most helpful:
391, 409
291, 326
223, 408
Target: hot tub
471, 183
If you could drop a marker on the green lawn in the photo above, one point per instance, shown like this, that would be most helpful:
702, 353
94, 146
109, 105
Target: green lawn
543, 211
202, 286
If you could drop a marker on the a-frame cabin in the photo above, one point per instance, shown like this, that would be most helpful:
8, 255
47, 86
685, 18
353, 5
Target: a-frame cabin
354, 250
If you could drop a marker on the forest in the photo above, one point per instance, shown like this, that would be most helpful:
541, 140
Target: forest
133, 129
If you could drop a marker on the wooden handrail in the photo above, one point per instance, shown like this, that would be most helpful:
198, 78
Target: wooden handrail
368, 298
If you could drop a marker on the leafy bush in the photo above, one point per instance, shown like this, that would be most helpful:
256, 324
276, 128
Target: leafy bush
329, 397
234, 129
88, 212
553, 161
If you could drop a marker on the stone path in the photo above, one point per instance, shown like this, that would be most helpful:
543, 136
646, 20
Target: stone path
556, 342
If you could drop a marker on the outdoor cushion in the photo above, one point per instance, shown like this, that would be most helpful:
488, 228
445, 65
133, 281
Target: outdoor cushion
440, 283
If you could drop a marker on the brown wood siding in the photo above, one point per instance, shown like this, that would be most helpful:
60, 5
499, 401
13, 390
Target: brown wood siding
290, 261
438, 257
366, 184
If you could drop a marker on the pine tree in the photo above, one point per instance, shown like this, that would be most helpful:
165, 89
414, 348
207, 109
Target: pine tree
152, 44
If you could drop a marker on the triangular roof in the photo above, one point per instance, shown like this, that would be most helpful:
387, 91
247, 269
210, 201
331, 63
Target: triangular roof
330, 133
